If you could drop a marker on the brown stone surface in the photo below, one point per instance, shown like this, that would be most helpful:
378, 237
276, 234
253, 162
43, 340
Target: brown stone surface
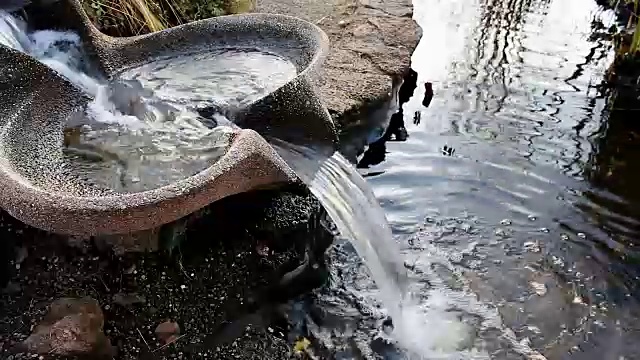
168, 331
371, 43
71, 327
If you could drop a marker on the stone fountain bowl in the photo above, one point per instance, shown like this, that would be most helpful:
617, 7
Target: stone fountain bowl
37, 103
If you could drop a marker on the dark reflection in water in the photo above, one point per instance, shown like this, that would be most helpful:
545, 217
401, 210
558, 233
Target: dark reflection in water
613, 172
396, 129
518, 172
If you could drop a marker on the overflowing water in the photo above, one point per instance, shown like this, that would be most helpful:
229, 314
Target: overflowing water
231, 78
359, 218
415, 321
142, 99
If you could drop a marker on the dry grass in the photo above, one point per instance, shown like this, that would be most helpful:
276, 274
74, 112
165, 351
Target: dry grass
635, 23
134, 17
126, 17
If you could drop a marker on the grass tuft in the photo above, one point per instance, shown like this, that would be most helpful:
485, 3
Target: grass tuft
135, 17
635, 24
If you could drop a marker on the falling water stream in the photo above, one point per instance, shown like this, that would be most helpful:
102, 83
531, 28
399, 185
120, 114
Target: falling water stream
515, 241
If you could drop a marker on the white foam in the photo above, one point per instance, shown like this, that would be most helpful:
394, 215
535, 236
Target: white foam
12, 32
101, 109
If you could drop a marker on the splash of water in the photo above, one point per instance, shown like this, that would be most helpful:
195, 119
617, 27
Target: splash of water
353, 207
359, 218
56, 49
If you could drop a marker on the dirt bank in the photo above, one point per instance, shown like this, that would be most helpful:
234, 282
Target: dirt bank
221, 284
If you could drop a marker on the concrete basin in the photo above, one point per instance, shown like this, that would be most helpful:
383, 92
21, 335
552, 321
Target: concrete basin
37, 103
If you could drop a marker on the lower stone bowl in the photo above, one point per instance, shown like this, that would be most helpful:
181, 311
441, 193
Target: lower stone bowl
38, 103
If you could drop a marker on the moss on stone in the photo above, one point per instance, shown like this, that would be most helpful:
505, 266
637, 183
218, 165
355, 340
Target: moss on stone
134, 17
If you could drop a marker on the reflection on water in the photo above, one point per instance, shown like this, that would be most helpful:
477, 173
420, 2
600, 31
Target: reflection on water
516, 182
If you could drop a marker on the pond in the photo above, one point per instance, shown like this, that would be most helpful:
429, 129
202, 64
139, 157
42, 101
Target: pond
512, 186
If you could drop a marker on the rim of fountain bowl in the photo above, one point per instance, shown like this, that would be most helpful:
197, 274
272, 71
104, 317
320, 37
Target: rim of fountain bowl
249, 163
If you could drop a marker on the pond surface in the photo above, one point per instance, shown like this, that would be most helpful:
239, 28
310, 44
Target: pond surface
513, 185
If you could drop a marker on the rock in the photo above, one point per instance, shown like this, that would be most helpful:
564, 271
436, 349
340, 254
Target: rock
168, 331
371, 46
72, 327
21, 254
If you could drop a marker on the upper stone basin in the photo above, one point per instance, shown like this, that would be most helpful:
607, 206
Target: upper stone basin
38, 103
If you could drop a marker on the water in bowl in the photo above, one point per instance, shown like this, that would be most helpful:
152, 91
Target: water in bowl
224, 77
143, 130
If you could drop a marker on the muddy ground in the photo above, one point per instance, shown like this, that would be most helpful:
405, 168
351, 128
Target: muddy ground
220, 285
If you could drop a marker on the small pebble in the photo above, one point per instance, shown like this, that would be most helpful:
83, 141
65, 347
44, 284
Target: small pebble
167, 331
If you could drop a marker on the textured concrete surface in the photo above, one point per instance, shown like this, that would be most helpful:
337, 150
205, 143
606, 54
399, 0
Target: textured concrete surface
371, 46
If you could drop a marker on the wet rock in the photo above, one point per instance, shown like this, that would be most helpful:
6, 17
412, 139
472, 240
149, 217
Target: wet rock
215, 278
371, 44
72, 327
278, 216
532, 246
168, 331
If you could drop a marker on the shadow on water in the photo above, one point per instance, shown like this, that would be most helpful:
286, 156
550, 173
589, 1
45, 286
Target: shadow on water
515, 176
396, 130
612, 172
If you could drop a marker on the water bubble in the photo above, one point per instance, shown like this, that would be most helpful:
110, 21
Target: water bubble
501, 232
539, 288
532, 246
